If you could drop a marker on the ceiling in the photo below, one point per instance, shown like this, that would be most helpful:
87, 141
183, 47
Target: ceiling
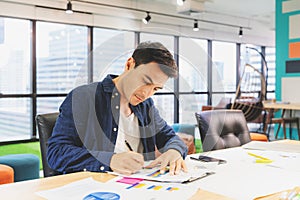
262, 11
218, 19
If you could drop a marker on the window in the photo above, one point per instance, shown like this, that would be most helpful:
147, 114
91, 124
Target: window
224, 66
15, 50
61, 57
15, 80
111, 50
192, 65
192, 78
271, 59
64, 62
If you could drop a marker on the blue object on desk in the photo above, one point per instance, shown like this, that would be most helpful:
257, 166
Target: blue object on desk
102, 196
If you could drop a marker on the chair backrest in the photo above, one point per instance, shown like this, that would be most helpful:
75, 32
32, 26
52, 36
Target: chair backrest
45, 124
220, 129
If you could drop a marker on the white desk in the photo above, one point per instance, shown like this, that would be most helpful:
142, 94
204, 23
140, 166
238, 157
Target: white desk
240, 178
243, 179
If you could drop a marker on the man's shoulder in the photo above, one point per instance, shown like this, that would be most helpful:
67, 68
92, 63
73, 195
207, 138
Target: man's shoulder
106, 82
87, 87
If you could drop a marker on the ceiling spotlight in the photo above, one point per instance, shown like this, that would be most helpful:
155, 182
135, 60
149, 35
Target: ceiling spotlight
69, 8
180, 2
196, 28
147, 18
241, 32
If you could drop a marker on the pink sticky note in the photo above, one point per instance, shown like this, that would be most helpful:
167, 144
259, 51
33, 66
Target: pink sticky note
130, 181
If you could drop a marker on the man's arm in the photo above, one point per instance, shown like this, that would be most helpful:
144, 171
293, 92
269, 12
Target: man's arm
67, 150
165, 136
173, 148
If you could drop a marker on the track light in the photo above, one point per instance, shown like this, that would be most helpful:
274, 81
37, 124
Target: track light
241, 32
69, 8
180, 2
196, 28
147, 18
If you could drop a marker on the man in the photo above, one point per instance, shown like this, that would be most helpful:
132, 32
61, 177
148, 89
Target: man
113, 124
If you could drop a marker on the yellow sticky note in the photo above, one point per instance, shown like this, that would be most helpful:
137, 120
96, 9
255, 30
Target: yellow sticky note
263, 161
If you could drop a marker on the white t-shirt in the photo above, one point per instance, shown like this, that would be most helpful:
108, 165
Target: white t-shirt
129, 131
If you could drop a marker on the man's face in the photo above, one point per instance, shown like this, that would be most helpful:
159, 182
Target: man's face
142, 82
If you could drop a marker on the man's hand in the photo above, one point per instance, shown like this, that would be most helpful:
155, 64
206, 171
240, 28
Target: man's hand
127, 163
172, 158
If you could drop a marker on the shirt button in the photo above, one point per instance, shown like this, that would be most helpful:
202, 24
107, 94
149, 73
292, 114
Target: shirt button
102, 168
117, 107
116, 94
115, 129
113, 96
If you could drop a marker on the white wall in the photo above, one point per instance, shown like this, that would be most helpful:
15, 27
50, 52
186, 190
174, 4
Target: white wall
123, 19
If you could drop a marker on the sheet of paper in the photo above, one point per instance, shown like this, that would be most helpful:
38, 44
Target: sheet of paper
75, 190
273, 146
195, 171
242, 178
150, 190
145, 190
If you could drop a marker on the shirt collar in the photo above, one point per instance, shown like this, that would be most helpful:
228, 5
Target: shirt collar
108, 84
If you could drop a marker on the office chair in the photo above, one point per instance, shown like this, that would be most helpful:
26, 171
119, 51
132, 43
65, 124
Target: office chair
220, 129
45, 124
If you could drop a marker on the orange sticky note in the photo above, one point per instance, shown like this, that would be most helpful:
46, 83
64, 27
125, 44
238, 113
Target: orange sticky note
294, 50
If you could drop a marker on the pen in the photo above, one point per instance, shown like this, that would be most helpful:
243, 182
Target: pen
128, 145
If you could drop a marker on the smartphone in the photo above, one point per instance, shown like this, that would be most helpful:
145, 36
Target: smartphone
209, 159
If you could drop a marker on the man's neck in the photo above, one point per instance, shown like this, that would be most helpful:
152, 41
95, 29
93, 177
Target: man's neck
124, 107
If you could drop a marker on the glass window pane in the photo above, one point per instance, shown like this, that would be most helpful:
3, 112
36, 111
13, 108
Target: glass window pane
250, 54
111, 50
61, 54
15, 51
221, 100
271, 59
168, 42
165, 105
189, 104
15, 119
192, 65
224, 66
48, 104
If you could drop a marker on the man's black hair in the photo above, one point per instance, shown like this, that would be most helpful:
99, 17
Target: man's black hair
147, 52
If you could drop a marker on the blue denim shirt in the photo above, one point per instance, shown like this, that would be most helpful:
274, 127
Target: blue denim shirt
86, 129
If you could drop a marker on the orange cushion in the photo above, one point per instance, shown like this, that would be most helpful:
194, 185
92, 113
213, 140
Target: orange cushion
258, 137
189, 141
6, 174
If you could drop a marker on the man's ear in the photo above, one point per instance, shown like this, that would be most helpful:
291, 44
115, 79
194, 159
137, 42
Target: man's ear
129, 64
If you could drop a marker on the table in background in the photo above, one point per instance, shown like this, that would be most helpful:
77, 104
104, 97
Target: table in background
282, 105
272, 106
